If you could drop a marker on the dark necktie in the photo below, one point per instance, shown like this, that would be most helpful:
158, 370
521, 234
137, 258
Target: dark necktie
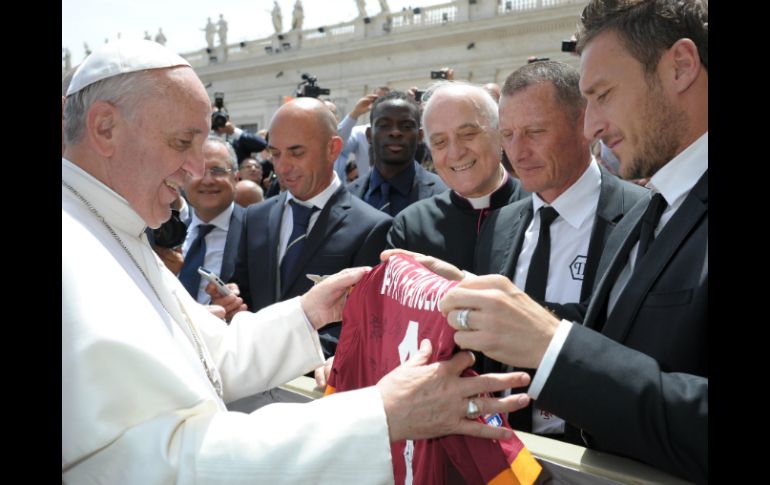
649, 222
301, 217
537, 276
384, 205
188, 275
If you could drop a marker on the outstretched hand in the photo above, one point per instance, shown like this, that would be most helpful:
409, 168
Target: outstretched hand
429, 400
324, 302
503, 322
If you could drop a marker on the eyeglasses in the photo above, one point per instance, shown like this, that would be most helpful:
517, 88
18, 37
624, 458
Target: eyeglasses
217, 172
251, 166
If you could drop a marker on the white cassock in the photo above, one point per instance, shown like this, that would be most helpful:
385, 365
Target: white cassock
137, 405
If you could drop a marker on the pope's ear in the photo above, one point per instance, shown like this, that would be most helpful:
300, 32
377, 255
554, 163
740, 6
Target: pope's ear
100, 127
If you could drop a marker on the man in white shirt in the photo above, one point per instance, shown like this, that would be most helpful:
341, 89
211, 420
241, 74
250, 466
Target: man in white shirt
634, 375
211, 198
553, 258
146, 370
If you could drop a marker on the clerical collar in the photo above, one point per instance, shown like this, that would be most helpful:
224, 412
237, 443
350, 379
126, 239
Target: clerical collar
498, 198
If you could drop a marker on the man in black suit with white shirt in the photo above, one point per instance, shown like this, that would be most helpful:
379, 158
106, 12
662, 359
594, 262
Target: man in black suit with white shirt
634, 376
550, 243
316, 226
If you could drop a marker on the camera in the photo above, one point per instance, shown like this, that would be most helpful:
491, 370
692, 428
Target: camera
568, 45
418, 94
309, 88
171, 233
219, 118
438, 74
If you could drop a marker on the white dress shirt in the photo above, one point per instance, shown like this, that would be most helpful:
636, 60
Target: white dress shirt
287, 221
675, 181
570, 238
215, 246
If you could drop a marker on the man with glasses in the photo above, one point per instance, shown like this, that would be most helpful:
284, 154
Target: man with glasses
250, 169
214, 228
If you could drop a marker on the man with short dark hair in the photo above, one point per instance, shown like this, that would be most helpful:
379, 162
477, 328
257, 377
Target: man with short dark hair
634, 375
396, 179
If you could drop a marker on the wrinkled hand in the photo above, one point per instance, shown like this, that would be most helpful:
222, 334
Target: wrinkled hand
231, 303
324, 302
322, 373
441, 268
426, 401
505, 323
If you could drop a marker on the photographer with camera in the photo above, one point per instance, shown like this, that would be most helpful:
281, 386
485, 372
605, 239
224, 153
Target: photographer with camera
243, 142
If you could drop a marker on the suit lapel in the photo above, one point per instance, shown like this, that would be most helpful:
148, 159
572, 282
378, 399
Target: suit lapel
686, 218
329, 219
231, 243
616, 252
520, 225
609, 210
420, 185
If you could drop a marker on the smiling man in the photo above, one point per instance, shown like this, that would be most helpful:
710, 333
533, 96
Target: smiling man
316, 226
215, 219
397, 180
461, 122
147, 371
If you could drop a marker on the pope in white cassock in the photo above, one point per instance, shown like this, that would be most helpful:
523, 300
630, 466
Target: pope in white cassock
146, 370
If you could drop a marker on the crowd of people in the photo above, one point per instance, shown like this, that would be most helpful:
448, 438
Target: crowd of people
570, 204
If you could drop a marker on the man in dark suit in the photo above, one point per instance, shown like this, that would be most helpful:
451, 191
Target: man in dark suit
396, 180
211, 199
278, 246
550, 243
461, 122
634, 376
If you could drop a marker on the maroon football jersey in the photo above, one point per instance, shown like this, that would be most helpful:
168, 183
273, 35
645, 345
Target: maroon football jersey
387, 314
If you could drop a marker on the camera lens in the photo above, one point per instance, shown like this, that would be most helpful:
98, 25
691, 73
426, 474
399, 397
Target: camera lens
218, 120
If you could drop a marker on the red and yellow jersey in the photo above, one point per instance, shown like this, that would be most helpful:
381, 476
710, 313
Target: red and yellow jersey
387, 314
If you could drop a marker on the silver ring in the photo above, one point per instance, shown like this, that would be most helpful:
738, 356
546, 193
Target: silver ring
473, 411
462, 319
